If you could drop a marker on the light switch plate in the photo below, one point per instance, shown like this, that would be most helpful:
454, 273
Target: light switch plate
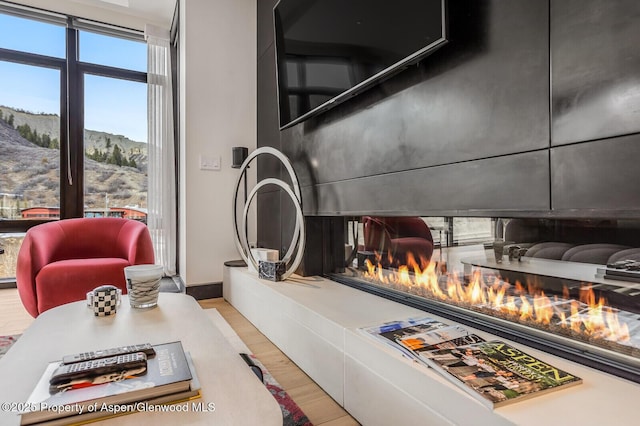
210, 162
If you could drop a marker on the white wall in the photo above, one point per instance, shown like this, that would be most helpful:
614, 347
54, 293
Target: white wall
218, 112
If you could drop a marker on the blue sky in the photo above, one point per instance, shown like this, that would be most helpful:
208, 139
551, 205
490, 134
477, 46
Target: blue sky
114, 106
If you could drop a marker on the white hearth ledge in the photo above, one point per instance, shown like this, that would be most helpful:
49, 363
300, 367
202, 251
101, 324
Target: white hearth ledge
314, 321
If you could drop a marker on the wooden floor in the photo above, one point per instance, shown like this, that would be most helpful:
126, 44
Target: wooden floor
317, 405
14, 319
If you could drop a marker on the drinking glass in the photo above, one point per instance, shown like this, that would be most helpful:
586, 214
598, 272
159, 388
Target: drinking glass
143, 285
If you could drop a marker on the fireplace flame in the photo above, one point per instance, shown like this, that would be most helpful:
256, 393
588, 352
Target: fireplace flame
589, 316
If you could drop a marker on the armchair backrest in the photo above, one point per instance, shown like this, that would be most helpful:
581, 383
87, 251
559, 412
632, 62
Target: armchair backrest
412, 226
86, 238
380, 231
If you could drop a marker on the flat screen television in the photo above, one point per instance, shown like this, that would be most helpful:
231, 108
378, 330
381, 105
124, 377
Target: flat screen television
330, 50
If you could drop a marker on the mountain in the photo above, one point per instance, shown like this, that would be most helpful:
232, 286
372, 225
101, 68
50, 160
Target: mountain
50, 124
31, 173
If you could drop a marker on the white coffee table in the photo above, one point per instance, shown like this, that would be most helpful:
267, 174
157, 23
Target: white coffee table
226, 381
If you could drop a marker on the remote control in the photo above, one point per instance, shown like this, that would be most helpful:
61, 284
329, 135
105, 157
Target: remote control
106, 353
98, 367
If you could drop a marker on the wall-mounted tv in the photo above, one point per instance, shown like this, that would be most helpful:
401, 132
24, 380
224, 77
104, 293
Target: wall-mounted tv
330, 50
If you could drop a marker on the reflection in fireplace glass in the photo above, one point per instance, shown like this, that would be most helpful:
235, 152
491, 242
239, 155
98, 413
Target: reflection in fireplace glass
570, 284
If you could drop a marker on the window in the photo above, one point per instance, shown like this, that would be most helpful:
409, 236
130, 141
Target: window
29, 138
115, 144
113, 52
49, 42
73, 123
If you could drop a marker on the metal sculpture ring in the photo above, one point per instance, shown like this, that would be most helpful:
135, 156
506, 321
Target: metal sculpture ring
299, 220
295, 194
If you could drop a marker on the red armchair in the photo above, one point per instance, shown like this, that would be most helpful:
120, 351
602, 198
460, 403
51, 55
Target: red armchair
398, 236
59, 262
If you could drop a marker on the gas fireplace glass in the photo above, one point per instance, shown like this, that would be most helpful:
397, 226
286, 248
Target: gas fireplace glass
568, 287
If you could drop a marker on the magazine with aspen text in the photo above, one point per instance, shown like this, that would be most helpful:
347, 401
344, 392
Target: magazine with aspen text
497, 373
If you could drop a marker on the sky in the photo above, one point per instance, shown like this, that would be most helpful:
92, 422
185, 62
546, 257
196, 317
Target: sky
114, 106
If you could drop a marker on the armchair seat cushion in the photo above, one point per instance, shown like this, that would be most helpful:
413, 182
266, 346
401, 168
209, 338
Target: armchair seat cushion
60, 282
420, 248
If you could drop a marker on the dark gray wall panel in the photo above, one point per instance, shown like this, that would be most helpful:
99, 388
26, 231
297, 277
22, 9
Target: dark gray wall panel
467, 131
268, 132
287, 222
265, 24
601, 175
269, 220
485, 93
276, 214
268, 199
511, 183
595, 69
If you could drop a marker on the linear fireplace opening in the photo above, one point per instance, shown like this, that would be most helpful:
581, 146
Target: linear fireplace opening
569, 287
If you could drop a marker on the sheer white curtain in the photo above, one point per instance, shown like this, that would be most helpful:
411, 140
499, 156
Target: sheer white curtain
161, 218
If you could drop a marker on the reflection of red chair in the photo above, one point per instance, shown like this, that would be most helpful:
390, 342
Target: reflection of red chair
59, 262
398, 236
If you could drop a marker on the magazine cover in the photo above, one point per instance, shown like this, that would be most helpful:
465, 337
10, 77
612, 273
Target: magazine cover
389, 332
497, 373
442, 338
432, 337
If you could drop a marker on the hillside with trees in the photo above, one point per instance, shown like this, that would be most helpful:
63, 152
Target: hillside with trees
115, 166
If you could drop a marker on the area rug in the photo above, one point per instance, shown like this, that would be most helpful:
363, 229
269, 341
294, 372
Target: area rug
292, 414
6, 342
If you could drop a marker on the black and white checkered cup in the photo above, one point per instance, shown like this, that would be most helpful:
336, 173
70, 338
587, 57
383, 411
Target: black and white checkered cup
104, 300
143, 285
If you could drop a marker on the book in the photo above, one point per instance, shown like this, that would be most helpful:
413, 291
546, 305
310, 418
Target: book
496, 373
390, 332
168, 373
191, 394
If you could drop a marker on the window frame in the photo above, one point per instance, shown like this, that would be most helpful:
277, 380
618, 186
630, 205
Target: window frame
33, 59
72, 73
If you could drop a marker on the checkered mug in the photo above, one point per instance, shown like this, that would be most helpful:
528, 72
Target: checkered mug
104, 300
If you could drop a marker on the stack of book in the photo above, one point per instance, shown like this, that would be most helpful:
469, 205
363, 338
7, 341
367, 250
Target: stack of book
493, 372
169, 378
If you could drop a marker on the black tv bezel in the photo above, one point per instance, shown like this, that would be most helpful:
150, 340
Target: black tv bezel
363, 85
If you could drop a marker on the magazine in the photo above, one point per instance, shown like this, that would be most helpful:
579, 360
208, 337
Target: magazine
168, 373
441, 338
390, 332
496, 373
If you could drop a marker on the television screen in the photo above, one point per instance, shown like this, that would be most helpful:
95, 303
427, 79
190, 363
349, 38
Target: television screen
330, 50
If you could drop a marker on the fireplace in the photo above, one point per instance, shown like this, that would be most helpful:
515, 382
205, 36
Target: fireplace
508, 277
507, 121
